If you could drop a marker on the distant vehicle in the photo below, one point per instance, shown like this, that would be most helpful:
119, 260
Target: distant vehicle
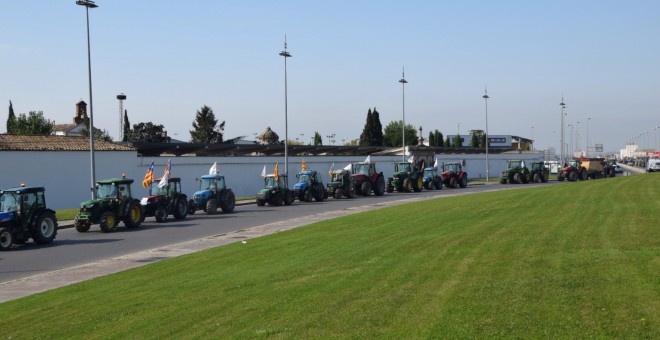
554, 166
618, 169
653, 165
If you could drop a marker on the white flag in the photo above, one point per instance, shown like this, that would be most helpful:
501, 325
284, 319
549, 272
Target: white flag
214, 169
411, 159
435, 165
348, 167
164, 180
263, 172
368, 160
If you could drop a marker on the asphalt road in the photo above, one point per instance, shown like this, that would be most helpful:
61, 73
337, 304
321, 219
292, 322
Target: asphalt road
72, 248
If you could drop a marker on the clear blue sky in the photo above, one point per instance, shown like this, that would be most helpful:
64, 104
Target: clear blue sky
172, 57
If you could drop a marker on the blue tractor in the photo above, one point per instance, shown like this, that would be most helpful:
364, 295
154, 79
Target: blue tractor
212, 194
23, 215
432, 178
310, 186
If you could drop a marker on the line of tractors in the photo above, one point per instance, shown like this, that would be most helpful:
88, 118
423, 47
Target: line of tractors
579, 169
24, 214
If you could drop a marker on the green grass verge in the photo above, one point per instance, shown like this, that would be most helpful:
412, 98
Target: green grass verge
577, 260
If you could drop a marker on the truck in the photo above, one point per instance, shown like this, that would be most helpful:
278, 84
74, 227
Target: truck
24, 215
595, 167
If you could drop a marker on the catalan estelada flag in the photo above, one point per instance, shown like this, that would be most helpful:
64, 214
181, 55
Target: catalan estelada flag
149, 176
304, 166
276, 172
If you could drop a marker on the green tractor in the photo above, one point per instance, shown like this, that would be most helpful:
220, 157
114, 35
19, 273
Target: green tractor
213, 193
23, 215
113, 203
406, 178
539, 172
164, 200
275, 192
515, 173
342, 184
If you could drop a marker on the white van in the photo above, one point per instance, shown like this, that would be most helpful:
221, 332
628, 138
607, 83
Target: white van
653, 165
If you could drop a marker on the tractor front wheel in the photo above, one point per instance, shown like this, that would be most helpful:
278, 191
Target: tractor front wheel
307, 196
573, 176
161, 214
366, 188
180, 208
536, 178
108, 222
45, 230
430, 185
211, 206
261, 202
379, 189
228, 203
351, 191
338, 193
6, 239
81, 227
191, 207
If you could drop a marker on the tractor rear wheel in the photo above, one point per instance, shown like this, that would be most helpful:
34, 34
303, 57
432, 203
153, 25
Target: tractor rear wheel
463, 182
418, 184
366, 188
45, 230
277, 199
6, 239
584, 175
180, 208
288, 197
544, 179
229, 203
211, 206
379, 189
452, 182
573, 176
135, 215
537, 178
407, 185
351, 191
161, 214
516, 178
108, 221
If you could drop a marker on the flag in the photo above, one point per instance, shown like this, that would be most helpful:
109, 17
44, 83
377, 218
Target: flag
331, 168
304, 166
214, 169
149, 176
275, 172
348, 167
166, 176
411, 159
263, 172
368, 159
435, 165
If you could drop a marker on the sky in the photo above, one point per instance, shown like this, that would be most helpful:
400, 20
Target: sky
172, 57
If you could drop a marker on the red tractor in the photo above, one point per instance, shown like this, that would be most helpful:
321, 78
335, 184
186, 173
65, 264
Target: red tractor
368, 180
453, 175
573, 171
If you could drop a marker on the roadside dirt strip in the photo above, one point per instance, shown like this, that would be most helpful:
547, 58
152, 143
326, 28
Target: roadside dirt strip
39, 283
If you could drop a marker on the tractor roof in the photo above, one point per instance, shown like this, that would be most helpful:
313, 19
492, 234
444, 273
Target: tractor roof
307, 172
216, 176
169, 180
23, 190
430, 169
118, 180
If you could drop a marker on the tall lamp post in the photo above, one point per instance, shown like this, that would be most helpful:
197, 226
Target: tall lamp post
286, 54
588, 119
561, 154
403, 82
485, 97
90, 4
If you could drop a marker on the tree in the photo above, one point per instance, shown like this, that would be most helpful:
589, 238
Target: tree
148, 133
11, 119
392, 134
33, 123
448, 142
206, 129
377, 129
366, 137
317, 139
438, 139
458, 141
98, 133
127, 127
431, 139
477, 138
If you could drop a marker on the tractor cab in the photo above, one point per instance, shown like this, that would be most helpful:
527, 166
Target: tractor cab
271, 182
430, 173
23, 215
114, 188
402, 167
452, 168
364, 169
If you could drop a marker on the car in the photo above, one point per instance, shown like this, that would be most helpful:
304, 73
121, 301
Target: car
653, 165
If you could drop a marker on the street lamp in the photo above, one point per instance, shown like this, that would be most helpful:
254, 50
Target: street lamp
90, 4
403, 82
588, 119
532, 137
485, 97
563, 106
286, 54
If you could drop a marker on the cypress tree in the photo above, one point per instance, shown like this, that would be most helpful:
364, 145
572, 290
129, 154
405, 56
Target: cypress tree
11, 119
448, 142
431, 139
438, 139
127, 128
366, 137
377, 129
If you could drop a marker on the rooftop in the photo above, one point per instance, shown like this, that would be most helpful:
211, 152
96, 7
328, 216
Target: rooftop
56, 143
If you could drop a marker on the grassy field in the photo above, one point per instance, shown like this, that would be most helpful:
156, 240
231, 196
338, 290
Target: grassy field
576, 260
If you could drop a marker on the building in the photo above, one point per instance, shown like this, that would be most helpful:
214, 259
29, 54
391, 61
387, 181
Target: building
79, 121
508, 142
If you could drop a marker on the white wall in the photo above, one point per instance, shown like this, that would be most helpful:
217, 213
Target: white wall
66, 174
